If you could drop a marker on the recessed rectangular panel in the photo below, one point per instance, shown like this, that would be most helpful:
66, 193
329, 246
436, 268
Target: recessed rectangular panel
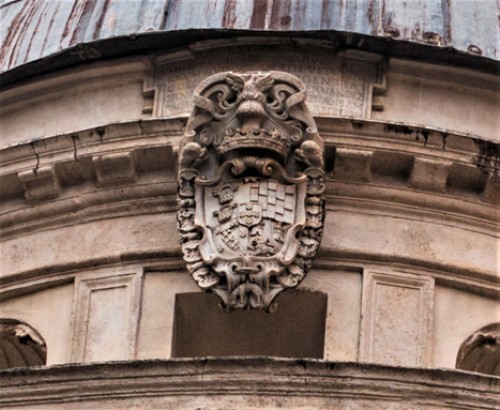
107, 325
295, 329
397, 319
106, 316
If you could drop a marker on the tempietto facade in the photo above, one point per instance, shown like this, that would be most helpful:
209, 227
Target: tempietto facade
329, 180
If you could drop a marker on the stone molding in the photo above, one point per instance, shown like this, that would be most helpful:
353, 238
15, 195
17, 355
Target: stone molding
40, 184
365, 135
236, 382
30, 282
101, 75
439, 75
146, 73
155, 138
170, 260
151, 144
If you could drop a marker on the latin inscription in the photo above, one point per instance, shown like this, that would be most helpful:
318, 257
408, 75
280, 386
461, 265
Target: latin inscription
336, 85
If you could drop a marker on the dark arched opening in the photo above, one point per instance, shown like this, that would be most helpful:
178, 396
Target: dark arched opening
480, 352
20, 345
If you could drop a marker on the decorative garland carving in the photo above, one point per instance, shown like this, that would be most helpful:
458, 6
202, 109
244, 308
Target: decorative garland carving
251, 186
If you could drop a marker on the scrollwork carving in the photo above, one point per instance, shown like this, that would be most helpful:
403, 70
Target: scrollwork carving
250, 188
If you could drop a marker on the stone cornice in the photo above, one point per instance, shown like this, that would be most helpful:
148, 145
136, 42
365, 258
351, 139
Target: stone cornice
324, 383
453, 175
116, 137
170, 260
79, 179
342, 132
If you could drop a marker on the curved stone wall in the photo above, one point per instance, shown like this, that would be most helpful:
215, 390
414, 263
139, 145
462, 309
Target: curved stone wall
409, 256
245, 383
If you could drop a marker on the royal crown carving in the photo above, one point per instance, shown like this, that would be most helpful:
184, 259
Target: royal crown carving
250, 187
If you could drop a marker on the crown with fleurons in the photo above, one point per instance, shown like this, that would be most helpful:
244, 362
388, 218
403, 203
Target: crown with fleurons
250, 111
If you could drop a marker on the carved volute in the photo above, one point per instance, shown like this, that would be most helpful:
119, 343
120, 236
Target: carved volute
250, 187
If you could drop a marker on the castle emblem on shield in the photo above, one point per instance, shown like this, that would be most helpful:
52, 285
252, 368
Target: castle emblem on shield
250, 188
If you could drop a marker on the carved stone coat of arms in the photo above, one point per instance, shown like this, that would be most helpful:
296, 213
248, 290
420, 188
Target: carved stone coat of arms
250, 187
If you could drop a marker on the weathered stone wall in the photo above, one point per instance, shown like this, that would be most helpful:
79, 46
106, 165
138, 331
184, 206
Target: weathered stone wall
253, 384
346, 83
409, 256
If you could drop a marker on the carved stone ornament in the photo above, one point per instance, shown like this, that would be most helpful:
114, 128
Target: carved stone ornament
250, 187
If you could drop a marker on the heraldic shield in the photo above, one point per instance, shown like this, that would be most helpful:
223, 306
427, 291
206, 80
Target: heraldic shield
250, 187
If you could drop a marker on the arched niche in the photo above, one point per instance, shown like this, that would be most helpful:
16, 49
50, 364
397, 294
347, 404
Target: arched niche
480, 352
20, 345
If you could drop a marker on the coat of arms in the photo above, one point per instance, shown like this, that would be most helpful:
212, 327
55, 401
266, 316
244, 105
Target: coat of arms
250, 187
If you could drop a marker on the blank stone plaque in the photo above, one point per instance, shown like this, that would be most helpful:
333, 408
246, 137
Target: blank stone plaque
106, 316
397, 319
295, 329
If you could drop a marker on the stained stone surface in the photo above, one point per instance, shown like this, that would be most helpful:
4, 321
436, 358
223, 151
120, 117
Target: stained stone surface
202, 328
481, 351
337, 84
90, 256
249, 383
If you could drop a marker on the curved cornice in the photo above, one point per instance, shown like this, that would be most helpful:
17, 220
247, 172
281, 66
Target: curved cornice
382, 155
127, 170
240, 381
